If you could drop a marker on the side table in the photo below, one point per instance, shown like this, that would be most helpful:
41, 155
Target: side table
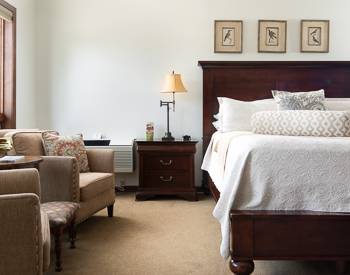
166, 168
26, 162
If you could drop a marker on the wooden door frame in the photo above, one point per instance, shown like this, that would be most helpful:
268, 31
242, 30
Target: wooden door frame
8, 121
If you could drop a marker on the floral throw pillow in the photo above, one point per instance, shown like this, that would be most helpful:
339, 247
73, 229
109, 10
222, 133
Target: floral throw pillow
72, 146
300, 101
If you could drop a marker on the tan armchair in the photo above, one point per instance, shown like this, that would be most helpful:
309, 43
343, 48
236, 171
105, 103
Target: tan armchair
24, 229
61, 180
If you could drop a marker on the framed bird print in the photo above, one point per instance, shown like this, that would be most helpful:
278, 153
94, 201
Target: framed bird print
314, 36
228, 36
272, 36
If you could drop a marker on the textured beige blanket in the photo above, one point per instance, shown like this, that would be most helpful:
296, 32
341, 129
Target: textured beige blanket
283, 173
215, 157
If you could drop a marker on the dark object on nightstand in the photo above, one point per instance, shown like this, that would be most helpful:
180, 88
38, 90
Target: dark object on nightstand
186, 138
97, 142
166, 168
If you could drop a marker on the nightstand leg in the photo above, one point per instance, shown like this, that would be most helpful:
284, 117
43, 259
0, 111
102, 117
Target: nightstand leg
143, 197
189, 196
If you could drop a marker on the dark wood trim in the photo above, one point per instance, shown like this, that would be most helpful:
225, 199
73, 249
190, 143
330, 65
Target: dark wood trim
9, 69
2, 70
285, 235
26, 162
2, 118
133, 189
272, 64
214, 191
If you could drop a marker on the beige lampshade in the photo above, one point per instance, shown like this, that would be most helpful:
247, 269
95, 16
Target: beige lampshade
173, 84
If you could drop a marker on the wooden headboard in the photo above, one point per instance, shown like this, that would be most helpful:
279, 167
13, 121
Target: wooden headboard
255, 80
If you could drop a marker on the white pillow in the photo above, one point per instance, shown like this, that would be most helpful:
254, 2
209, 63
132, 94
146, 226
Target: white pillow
236, 110
337, 104
235, 115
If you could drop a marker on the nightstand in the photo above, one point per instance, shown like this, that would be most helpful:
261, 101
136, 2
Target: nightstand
166, 168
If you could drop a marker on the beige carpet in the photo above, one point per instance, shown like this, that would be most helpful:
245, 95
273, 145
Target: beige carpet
166, 236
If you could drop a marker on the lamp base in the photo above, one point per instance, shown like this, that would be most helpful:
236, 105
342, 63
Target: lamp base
168, 137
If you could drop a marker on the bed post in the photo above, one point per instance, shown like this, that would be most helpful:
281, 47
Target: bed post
242, 267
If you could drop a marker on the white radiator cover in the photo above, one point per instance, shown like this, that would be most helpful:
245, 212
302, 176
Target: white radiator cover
123, 157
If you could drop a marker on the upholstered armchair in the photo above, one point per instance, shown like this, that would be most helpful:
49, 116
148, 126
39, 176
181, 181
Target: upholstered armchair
61, 180
24, 229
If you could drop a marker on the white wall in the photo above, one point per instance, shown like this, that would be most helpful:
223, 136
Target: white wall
26, 92
101, 63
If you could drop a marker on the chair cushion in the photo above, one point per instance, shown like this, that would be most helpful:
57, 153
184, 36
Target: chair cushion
45, 229
28, 143
92, 184
72, 146
59, 212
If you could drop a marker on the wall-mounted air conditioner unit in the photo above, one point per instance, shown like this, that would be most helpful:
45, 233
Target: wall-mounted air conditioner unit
123, 157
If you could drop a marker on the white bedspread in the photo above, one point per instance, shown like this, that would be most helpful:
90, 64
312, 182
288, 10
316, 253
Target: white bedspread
281, 173
215, 157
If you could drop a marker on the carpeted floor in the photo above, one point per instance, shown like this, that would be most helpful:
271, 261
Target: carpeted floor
165, 236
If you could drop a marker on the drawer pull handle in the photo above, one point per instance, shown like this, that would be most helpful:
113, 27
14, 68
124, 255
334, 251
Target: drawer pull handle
170, 179
170, 162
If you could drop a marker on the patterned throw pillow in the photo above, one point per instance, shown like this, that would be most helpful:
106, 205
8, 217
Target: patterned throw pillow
302, 123
299, 101
72, 146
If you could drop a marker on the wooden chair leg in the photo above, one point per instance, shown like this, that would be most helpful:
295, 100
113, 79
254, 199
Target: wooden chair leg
72, 233
110, 210
57, 232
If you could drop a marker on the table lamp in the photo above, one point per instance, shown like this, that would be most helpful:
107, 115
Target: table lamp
173, 84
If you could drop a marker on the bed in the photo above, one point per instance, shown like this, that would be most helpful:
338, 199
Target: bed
277, 235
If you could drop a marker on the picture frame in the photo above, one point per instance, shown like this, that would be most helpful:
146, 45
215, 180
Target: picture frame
272, 37
228, 36
314, 36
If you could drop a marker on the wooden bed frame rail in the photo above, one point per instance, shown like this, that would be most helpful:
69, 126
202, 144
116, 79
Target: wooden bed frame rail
288, 235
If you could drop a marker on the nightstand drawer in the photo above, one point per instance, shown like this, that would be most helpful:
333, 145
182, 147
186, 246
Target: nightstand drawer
166, 180
165, 162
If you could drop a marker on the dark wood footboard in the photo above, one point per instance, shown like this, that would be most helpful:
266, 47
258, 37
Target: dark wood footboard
288, 235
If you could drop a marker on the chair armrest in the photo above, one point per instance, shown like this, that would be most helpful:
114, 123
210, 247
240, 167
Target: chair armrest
21, 249
101, 160
59, 179
19, 181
